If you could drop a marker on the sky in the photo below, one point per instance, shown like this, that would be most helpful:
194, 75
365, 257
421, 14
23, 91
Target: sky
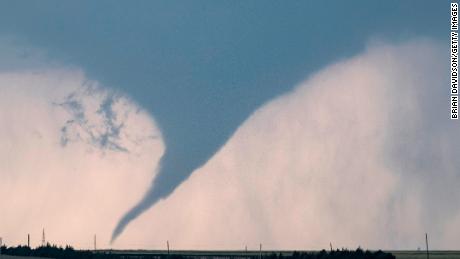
221, 124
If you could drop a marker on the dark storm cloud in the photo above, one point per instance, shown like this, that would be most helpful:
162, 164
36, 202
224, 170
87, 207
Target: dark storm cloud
202, 67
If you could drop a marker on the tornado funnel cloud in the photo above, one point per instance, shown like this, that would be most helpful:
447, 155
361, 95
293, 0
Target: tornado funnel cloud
171, 173
189, 145
150, 198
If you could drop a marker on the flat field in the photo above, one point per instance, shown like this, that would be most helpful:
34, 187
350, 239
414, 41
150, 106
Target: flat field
422, 254
241, 254
237, 254
18, 257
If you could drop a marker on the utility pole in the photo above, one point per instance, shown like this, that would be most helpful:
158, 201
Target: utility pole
260, 251
167, 246
95, 247
330, 244
43, 237
28, 240
426, 240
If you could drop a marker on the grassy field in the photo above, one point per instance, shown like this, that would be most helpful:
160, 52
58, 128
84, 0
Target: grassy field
398, 254
422, 254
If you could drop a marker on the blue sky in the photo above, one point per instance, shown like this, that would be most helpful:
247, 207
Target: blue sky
201, 68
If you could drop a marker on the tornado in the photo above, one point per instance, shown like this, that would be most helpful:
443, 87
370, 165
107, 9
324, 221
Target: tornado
160, 188
183, 155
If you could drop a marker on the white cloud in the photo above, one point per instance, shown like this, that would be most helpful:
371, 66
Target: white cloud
351, 156
74, 157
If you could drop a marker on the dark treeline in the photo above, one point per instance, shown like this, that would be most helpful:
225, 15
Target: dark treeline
53, 251
50, 251
343, 254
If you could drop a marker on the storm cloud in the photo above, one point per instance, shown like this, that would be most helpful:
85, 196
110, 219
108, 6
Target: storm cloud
200, 68
363, 153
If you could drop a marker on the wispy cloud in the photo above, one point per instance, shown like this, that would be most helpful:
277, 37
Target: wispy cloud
105, 130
